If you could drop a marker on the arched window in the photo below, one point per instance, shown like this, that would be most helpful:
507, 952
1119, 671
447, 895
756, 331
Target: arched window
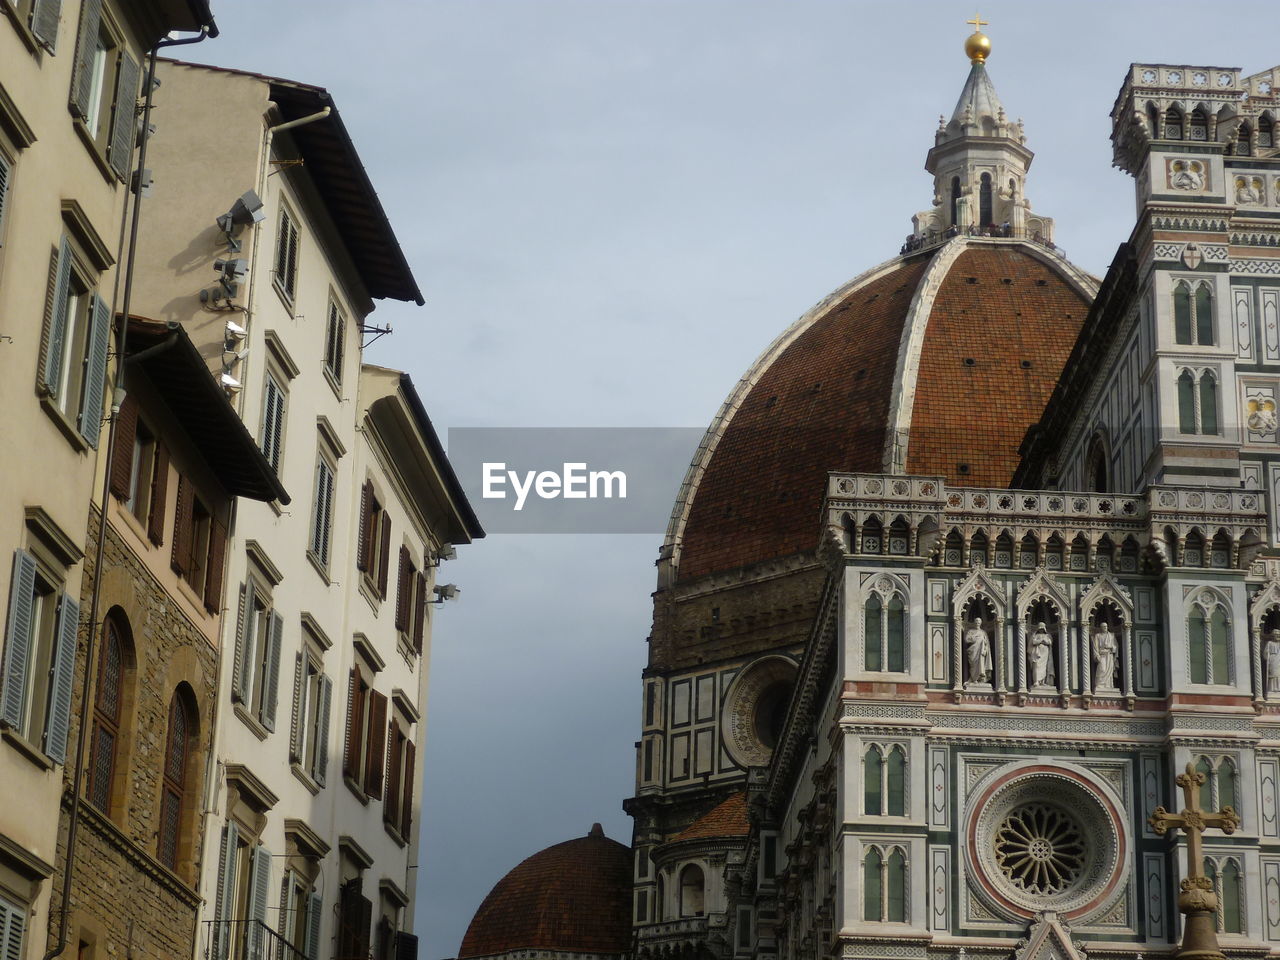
896, 884
896, 777
1209, 641
1208, 404
1186, 402
872, 782
1182, 313
871, 535
691, 891
1173, 124
107, 709
955, 197
873, 638
1243, 138
1153, 120
1198, 125
872, 885
174, 788
1220, 646
1004, 551
985, 214
1204, 315
659, 898
884, 633
895, 639
1227, 785
1198, 646
978, 554
1266, 132
1228, 884
1205, 768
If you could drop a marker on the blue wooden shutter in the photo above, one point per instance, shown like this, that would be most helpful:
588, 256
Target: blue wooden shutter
270, 694
322, 731
17, 641
95, 374
314, 918
13, 919
64, 668
224, 908
244, 640
123, 124
57, 325
298, 721
86, 44
44, 22
259, 890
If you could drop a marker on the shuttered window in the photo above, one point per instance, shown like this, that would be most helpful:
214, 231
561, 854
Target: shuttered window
13, 922
397, 809
106, 712
6, 174
286, 272
255, 680
104, 87
309, 730
273, 404
335, 342
322, 511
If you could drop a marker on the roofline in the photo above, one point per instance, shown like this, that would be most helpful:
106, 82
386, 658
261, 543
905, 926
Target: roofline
436, 449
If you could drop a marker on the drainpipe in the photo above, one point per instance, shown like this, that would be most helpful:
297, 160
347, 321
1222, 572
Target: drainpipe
117, 398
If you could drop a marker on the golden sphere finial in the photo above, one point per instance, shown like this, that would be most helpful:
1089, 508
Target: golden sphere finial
978, 46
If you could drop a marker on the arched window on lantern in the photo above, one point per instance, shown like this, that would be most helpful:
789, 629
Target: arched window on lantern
1266, 132
692, 891
985, 209
1198, 125
955, 198
1173, 123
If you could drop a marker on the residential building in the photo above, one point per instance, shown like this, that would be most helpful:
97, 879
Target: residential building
70, 83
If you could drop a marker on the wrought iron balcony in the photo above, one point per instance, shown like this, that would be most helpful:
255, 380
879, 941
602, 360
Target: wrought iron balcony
247, 940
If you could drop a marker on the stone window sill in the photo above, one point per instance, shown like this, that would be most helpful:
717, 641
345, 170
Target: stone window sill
304, 778
26, 748
251, 722
63, 423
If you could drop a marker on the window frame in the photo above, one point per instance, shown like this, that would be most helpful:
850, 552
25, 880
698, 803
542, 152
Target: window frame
259, 641
104, 92
1192, 406
311, 718
284, 274
275, 406
335, 344
320, 545
373, 554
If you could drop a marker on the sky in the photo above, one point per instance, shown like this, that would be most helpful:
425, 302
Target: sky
612, 207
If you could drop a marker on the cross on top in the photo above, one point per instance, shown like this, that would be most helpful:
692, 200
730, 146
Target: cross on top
1193, 821
978, 22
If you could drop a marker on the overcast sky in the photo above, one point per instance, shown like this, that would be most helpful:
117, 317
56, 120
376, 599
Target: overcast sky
612, 208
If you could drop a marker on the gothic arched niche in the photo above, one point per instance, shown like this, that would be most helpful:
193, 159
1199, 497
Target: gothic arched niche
756, 709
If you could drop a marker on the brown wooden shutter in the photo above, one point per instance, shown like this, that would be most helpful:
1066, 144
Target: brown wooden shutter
351, 751
363, 552
213, 572
159, 494
122, 452
385, 563
391, 808
406, 806
182, 532
420, 614
402, 590
376, 755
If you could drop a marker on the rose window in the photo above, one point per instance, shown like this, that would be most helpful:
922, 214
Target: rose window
1040, 849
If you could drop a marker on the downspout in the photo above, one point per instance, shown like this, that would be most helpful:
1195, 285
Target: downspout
117, 398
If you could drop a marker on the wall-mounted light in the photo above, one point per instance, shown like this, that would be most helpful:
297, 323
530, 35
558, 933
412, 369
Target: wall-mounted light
446, 591
232, 272
230, 383
247, 210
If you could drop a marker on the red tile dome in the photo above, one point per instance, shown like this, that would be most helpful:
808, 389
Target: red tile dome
955, 351
573, 897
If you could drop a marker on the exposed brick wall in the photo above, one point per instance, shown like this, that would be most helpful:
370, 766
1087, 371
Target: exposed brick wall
122, 897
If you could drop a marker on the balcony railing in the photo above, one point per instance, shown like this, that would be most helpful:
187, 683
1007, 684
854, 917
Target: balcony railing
926, 241
247, 940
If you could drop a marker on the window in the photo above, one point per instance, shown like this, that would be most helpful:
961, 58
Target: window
1198, 402
174, 787
13, 922
256, 677
884, 885
374, 553
199, 546
692, 891
273, 404
397, 809
322, 510
1193, 313
6, 176
1209, 641
39, 657
411, 601
363, 756
286, 273
1173, 124
140, 471
884, 776
77, 329
1227, 877
104, 88
244, 884
355, 916
309, 736
335, 343
301, 913
107, 710
884, 639
41, 17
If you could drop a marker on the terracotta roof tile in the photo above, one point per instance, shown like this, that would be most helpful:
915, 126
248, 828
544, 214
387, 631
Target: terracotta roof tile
572, 897
729, 819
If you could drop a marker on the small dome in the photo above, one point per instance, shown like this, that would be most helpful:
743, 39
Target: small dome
573, 897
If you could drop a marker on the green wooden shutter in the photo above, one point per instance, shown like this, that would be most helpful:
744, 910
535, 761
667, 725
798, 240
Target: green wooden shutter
86, 44
64, 668
17, 641
314, 919
44, 22
57, 317
271, 692
299, 701
123, 124
321, 768
244, 642
95, 375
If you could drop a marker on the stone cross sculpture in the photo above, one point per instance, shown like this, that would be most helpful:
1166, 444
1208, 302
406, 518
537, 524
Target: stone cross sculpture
1197, 899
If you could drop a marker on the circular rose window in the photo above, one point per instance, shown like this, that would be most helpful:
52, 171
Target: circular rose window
1046, 837
755, 709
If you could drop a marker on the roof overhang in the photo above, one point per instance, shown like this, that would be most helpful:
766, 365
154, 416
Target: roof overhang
331, 160
165, 355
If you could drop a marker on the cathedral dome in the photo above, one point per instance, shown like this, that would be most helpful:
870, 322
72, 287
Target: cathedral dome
573, 897
933, 363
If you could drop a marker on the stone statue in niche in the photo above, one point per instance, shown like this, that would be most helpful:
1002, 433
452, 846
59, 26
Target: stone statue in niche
1187, 175
1106, 651
1271, 656
977, 651
1248, 190
1261, 414
1040, 657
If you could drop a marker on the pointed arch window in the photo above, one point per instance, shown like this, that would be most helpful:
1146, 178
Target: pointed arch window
1266, 132
107, 711
1203, 310
174, 789
986, 214
955, 198
1243, 139
885, 881
1208, 404
1182, 313
884, 781
872, 885
1227, 877
1198, 402
885, 632
1173, 124
1193, 314
1209, 641
1198, 125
